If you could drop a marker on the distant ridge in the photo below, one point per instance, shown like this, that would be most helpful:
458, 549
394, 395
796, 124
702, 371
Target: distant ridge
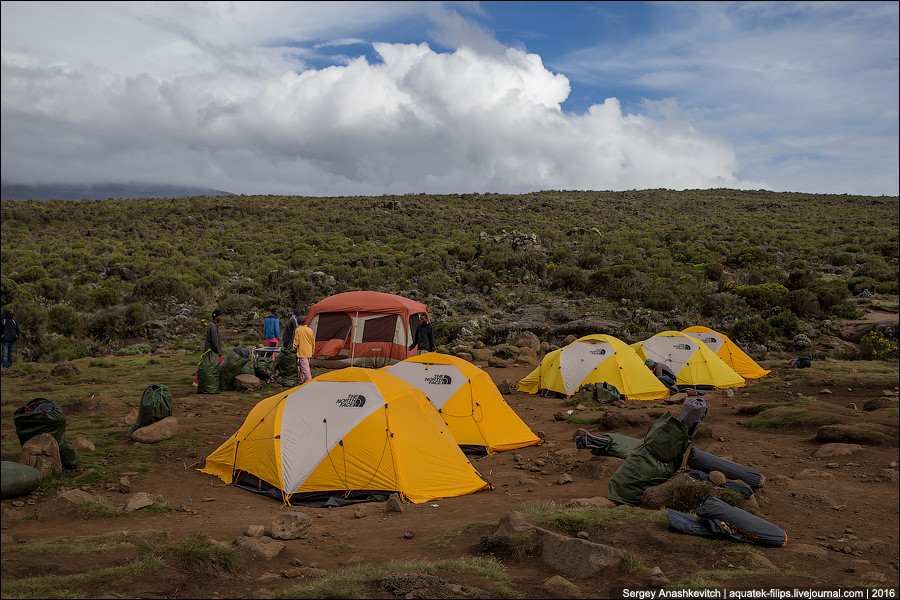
102, 191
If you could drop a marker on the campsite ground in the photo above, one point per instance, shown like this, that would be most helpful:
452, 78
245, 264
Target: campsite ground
840, 512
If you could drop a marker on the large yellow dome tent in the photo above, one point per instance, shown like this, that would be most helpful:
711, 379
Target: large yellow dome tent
728, 351
474, 409
346, 436
595, 359
692, 361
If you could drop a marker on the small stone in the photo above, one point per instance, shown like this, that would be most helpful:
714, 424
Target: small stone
583, 535
410, 534
717, 477
852, 406
658, 578
256, 531
124, 485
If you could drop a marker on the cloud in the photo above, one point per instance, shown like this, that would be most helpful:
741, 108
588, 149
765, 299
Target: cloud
418, 120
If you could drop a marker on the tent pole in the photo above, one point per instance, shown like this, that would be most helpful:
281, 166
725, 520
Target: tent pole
353, 338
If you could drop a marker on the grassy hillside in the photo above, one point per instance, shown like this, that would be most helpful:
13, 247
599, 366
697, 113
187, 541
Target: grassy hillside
88, 276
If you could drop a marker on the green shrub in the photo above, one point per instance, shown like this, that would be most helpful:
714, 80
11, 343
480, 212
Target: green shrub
875, 346
752, 330
235, 305
160, 287
86, 277
107, 325
568, 278
135, 350
785, 323
55, 290
136, 317
63, 320
446, 333
762, 297
32, 274
803, 303
104, 297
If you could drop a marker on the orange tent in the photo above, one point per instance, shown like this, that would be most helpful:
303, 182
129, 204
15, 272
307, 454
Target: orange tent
363, 329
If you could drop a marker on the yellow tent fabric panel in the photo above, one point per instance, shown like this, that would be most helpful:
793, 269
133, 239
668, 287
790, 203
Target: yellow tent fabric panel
729, 352
255, 446
475, 411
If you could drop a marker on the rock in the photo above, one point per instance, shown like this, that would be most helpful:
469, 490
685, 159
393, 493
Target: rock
560, 416
247, 382
291, 526
264, 547
156, 432
565, 478
852, 406
64, 369
676, 398
889, 475
497, 362
717, 477
579, 432
876, 403
560, 587
570, 556
310, 572
82, 444
410, 534
816, 552
359, 511
860, 434
42, 453
139, 501
836, 449
658, 578
812, 474
505, 387
729, 393
394, 504
63, 504
595, 502
124, 485
256, 531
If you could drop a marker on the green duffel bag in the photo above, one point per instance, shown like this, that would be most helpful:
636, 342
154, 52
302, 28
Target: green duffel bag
156, 405
287, 367
18, 480
263, 367
231, 367
208, 373
42, 415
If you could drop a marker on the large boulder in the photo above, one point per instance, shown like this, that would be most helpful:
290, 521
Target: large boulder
246, 381
42, 453
156, 432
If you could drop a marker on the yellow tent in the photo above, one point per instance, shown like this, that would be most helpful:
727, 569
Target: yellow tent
728, 351
692, 361
474, 409
348, 435
594, 358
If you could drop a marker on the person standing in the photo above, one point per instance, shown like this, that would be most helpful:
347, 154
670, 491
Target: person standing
213, 339
272, 329
424, 336
288, 340
11, 333
304, 346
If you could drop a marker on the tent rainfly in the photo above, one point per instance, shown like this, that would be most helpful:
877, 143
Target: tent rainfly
728, 351
595, 359
363, 329
472, 406
692, 361
349, 435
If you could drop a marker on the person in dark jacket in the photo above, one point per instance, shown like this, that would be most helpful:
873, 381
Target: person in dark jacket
272, 328
213, 340
424, 337
665, 375
288, 340
10, 330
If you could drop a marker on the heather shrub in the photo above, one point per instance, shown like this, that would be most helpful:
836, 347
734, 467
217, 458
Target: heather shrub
752, 330
63, 319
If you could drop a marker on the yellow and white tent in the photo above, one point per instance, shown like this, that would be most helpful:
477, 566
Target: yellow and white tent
692, 361
728, 351
348, 435
474, 409
594, 358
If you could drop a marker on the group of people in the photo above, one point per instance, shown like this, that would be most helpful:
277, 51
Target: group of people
300, 338
297, 336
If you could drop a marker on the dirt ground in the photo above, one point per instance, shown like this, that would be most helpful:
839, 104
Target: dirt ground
841, 518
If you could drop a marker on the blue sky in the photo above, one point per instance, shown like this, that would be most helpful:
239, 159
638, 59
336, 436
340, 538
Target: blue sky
339, 98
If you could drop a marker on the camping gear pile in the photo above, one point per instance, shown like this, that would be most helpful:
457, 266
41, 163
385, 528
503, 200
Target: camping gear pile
42, 415
213, 378
156, 405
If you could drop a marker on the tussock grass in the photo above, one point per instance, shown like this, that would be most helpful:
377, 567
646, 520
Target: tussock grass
82, 544
573, 520
68, 586
197, 553
350, 583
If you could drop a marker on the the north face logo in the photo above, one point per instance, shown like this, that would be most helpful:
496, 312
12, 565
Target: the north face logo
439, 380
709, 340
683, 346
351, 401
599, 352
